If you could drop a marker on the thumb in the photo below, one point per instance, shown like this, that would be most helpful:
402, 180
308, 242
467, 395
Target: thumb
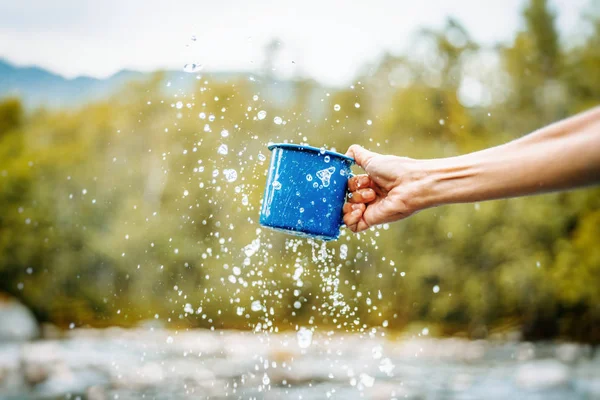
361, 155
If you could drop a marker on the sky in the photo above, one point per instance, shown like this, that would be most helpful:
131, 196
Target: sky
329, 40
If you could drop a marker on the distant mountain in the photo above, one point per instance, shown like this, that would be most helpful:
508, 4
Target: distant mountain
39, 87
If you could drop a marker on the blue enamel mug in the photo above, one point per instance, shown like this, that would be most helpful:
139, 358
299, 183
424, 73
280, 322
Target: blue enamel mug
305, 191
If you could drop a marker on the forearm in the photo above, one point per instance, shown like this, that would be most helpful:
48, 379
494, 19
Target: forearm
560, 156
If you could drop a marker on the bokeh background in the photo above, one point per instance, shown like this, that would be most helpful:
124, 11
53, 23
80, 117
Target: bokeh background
136, 197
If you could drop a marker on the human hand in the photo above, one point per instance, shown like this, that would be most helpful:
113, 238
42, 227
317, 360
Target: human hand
387, 192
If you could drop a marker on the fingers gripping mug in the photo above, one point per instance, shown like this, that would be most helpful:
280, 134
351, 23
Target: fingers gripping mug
305, 191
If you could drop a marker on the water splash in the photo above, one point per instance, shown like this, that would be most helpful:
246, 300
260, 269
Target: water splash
343, 251
366, 380
256, 306
223, 149
304, 337
230, 175
387, 367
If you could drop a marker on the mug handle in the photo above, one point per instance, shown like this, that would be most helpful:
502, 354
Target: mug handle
350, 175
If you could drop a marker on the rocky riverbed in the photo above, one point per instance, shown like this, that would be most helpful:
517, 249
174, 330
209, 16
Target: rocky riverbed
156, 363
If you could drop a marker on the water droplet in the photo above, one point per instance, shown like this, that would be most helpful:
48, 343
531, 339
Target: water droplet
337, 107
387, 367
377, 352
169, 339
192, 67
230, 175
309, 177
327, 158
442, 122
315, 185
276, 185
357, 105
369, 122
366, 380
255, 97
343, 251
266, 380
262, 114
277, 120
185, 192
202, 115
211, 118
223, 149
179, 105
325, 175
304, 337
297, 305
436, 289
224, 133
261, 157
425, 331
256, 306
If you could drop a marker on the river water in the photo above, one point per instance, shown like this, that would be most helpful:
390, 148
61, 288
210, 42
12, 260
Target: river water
153, 363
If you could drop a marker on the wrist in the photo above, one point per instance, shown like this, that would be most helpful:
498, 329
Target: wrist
443, 181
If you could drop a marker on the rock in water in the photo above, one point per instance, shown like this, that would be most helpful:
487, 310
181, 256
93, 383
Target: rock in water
17, 322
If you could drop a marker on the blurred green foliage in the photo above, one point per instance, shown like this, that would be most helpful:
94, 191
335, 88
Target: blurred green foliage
114, 213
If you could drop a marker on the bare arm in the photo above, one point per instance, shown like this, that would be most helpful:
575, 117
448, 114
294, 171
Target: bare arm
560, 156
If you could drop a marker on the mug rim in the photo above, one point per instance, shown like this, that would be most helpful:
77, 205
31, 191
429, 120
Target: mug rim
294, 146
